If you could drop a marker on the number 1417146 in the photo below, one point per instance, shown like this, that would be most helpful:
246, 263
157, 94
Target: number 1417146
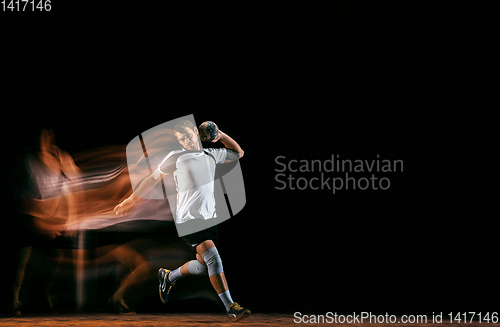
26, 5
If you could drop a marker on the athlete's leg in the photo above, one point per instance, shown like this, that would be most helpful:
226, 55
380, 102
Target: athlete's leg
184, 269
215, 270
138, 266
193, 267
198, 267
167, 278
208, 251
23, 259
208, 261
57, 256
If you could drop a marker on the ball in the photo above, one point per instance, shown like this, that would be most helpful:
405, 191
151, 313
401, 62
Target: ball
208, 131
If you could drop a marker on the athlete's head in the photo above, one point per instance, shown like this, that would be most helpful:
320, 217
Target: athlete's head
187, 135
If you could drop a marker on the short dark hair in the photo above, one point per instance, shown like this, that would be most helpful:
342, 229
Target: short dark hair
182, 125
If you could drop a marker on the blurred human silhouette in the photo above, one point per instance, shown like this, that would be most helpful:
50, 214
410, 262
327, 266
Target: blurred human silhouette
45, 192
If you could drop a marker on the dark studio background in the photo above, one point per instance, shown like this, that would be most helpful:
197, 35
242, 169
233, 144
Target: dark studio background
406, 80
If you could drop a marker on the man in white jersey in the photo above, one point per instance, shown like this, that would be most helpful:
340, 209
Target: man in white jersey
193, 170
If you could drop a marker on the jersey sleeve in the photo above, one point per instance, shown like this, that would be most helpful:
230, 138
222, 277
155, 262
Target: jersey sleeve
219, 154
166, 167
157, 173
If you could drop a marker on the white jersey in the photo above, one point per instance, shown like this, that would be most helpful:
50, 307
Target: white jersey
45, 183
193, 173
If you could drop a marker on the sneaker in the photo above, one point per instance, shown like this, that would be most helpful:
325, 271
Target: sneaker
237, 312
119, 307
165, 284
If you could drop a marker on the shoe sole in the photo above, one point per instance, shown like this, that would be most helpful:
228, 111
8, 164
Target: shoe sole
160, 280
244, 315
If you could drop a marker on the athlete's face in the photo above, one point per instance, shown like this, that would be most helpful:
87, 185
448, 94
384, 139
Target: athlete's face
188, 139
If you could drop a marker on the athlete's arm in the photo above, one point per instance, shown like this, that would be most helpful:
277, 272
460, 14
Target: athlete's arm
146, 185
234, 151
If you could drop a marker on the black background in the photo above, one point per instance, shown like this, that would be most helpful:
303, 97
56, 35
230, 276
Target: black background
405, 80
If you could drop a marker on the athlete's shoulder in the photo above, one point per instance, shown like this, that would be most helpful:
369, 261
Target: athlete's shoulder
171, 153
219, 154
215, 150
171, 156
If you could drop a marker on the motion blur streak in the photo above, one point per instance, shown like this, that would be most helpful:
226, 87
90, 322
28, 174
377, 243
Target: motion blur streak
89, 197
70, 236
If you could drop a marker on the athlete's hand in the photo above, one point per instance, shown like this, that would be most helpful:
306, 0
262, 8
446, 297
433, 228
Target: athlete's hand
124, 207
219, 135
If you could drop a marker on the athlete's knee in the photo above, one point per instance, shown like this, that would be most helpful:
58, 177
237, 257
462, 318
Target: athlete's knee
200, 259
213, 261
196, 268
